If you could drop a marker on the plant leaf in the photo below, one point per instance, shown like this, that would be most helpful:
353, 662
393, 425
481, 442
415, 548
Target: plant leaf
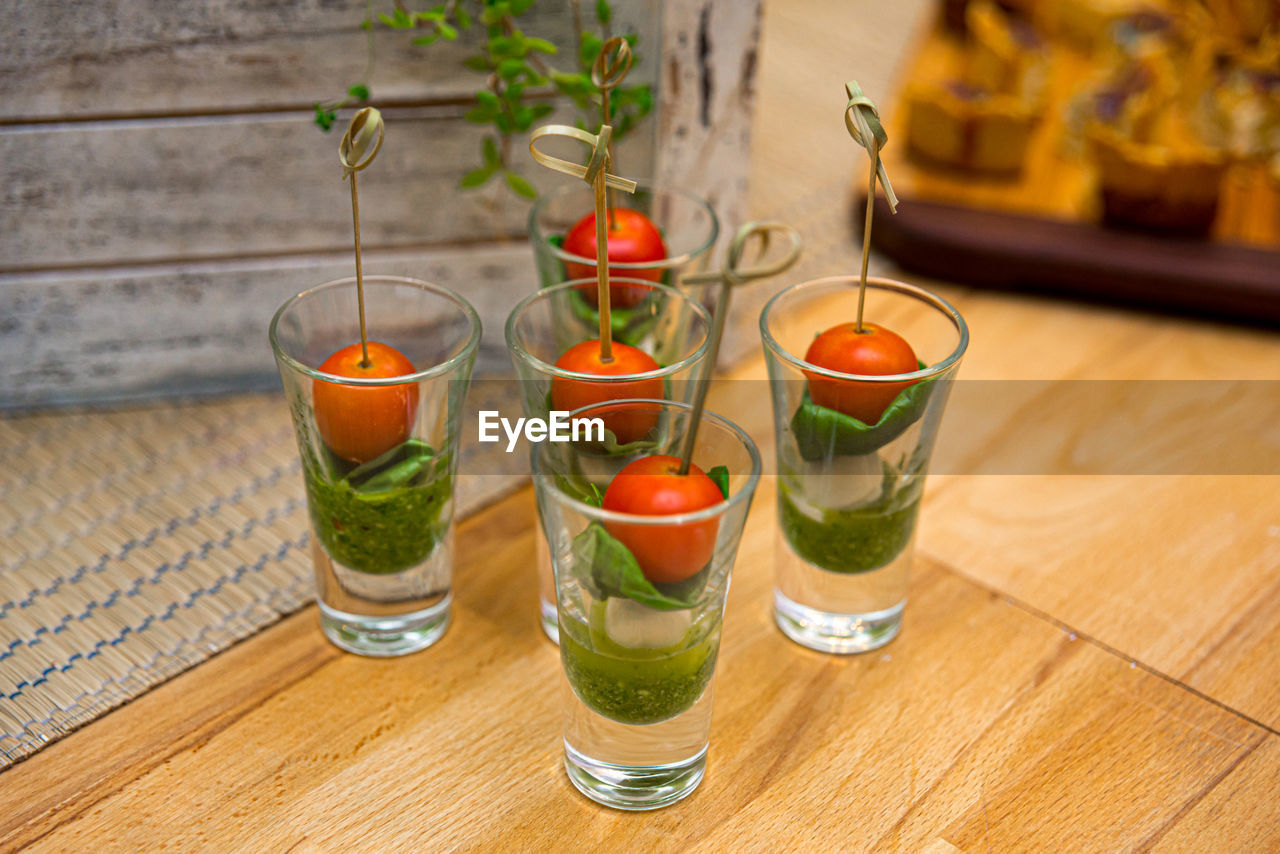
821, 432
490, 150
541, 46
477, 177
396, 468
604, 13
606, 567
520, 186
325, 118
359, 92
509, 69
720, 474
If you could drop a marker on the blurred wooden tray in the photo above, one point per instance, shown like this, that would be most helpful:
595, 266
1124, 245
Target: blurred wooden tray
1040, 230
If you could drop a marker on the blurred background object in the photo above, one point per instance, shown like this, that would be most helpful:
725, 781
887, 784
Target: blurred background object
1122, 151
164, 186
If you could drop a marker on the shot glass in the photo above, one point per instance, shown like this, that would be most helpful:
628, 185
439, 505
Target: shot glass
639, 656
379, 456
849, 492
666, 324
688, 225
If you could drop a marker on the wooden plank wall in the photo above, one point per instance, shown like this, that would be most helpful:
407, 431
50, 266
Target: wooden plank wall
162, 189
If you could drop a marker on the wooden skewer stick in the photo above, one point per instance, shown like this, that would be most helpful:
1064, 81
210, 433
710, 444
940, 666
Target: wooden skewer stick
866, 233
863, 123
729, 278
603, 299
355, 222
360, 144
608, 70
596, 173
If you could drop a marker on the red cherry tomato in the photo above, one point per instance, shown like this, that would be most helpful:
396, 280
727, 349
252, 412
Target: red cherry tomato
584, 358
360, 423
632, 239
650, 486
874, 352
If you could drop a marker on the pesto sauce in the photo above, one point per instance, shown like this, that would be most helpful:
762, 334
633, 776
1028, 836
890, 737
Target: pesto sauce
849, 541
636, 686
378, 532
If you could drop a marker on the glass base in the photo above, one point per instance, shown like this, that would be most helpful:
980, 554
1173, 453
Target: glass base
627, 787
843, 634
549, 619
387, 636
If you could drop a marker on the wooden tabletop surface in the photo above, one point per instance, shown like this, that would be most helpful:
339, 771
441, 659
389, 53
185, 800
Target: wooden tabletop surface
1087, 663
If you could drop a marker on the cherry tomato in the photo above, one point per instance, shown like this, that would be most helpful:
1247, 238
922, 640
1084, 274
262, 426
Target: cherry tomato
873, 352
584, 358
650, 486
632, 239
359, 423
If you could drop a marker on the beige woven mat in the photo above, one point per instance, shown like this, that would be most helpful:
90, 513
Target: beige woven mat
137, 543
134, 544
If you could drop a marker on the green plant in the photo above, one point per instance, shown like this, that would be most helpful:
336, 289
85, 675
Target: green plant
521, 85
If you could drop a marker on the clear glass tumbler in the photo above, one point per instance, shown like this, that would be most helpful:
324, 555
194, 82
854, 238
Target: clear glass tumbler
849, 492
664, 323
688, 225
638, 655
379, 456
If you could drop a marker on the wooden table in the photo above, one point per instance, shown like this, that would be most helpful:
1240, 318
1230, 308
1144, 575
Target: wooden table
1088, 663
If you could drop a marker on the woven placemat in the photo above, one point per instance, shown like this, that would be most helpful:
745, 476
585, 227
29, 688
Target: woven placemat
137, 543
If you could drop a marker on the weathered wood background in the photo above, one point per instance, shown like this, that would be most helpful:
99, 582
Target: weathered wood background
162, 188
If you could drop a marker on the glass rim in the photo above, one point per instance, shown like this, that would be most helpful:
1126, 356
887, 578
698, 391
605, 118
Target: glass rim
547, 368
467, 350
539, 205
880, 283
720, 508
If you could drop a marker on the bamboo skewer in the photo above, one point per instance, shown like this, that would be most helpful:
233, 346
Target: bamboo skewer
863, 123
729, 278
355, 154
596, 173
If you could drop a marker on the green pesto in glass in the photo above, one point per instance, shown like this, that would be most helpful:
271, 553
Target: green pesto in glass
636, 686
859, 539
382, 531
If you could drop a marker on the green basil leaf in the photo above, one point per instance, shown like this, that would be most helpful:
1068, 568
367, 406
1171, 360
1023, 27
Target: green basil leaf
606, 567
611, 448
720, 474
629, 324
397, 468
821, 432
